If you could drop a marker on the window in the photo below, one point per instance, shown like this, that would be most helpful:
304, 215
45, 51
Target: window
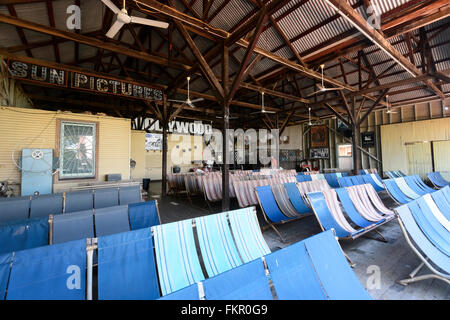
77, 150
345, 150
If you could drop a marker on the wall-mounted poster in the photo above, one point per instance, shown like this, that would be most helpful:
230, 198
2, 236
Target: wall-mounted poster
153, 141
319, 136
319, 153
343, 128
368, 139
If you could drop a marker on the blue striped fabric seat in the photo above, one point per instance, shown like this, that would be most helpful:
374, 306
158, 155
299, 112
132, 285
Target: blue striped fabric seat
437, 179
247, 234
395, 191
296, 198
216, 244
176, 256
437, 257
269, 205
368, 178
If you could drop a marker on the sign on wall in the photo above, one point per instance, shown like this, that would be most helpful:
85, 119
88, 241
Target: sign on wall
153, 141
368, 139
80, 80
319, 153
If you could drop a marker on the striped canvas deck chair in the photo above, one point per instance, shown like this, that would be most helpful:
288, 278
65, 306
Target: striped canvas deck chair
436, 261
176, 257
216, 242
247, 234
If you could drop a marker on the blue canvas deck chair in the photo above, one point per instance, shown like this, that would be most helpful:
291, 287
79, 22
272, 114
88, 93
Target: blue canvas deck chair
111, 220
45, 205
438, 180
375, 181
431, 256
69, 227
78, 201
405, 188
24, 234
56, 272
126, 266
129, 194
314, 269
144, 214
108, 197
271, 204
395, 192
14, 210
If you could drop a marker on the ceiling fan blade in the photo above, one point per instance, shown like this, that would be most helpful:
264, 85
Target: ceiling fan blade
315, 92
114, 29
269, 111
180, 101
197, 100
149, 22
331, 89
111, 6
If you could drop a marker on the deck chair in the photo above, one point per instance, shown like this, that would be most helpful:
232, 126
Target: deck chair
246, 282
332, 179
443, 217
126, 267
441, 202
56, 272
405, 188
216, 242
269, 207
14, 210
176, 257
436, 261
421, 184
283, 201
22, 235
296, 198
247, 234
352, 212
108, 197
144, 214
111, 220
430, 226
130, 194
437, 180
326, 219
394, 191
45, 205
303, 178
69, 227
411, 182
314, 269
369, 178
345, 181
78, 201
5, 268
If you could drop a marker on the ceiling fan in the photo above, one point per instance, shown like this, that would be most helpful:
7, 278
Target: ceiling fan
263, 110
122, 18
322, 87
389, 109
188, 101
309, 115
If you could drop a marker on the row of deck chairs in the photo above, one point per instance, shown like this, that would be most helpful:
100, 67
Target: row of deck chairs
394, 174
32, 233
29, 207
285, 202
368, 171
364, 210
425, 223
373, 179
405, 189
331, 178
165, 261
438, 180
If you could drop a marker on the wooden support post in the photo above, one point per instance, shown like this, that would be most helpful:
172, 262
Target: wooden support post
226, 123
164, 147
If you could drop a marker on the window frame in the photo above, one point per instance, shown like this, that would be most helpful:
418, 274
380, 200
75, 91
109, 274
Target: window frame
59, 127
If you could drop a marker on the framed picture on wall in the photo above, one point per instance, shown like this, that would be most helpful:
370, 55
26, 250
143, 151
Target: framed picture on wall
368, 139
153, 141
319, 136
319, 153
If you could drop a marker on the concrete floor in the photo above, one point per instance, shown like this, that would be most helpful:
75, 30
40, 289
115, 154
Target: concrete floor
394, 259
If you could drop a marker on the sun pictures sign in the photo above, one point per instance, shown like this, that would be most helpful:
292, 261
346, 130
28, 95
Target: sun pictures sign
79, 80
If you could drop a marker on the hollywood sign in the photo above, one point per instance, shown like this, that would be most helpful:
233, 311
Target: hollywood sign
180, 127
77, 80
